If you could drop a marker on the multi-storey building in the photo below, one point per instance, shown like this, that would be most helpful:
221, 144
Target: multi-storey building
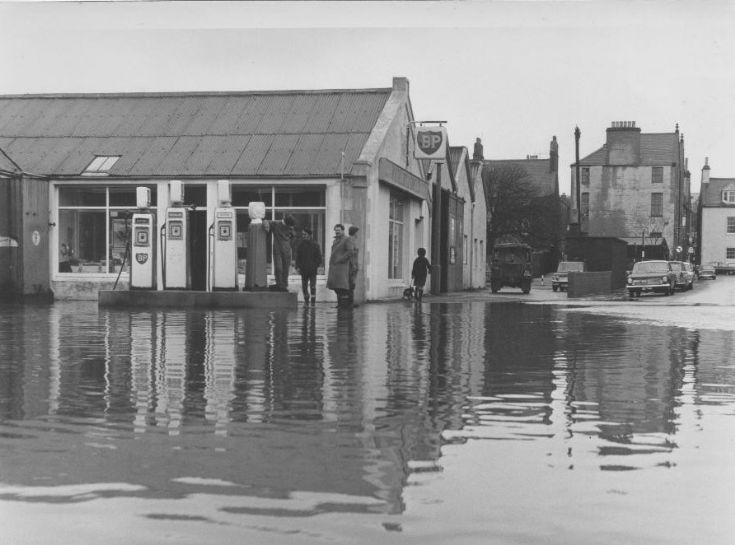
717, 221
637, 187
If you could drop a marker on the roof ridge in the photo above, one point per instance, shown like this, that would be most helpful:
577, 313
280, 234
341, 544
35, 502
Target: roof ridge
163, 94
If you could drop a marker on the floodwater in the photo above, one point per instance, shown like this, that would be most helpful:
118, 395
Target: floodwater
446, 423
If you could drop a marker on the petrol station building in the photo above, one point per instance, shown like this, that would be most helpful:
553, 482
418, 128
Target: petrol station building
73, 166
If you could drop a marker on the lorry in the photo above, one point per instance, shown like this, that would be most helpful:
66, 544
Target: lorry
511, 266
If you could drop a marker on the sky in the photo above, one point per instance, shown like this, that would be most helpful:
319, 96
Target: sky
513, 73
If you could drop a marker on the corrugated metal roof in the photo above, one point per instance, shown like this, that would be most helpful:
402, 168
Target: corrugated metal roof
296, 133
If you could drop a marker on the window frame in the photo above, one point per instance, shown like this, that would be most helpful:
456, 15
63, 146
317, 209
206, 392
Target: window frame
657, 208
657, 175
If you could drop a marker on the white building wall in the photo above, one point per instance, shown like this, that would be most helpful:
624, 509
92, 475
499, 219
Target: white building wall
715, 238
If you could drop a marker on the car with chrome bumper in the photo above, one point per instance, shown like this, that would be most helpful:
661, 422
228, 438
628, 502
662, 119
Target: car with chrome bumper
654, 276
707, 273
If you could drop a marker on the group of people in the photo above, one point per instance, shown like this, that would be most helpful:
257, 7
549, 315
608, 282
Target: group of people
343, 262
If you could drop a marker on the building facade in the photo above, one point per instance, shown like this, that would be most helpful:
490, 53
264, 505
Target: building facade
325, 157
717, 221
637, 187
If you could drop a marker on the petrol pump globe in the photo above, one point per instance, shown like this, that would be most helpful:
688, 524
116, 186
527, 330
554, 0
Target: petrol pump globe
256, 211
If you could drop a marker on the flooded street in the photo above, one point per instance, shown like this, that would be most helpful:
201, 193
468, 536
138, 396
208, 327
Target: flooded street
474, 421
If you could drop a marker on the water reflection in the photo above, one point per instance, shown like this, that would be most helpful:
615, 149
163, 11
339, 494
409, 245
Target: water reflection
351, 406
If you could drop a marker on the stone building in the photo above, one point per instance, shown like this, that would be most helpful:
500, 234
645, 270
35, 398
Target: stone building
716, 214
637, 187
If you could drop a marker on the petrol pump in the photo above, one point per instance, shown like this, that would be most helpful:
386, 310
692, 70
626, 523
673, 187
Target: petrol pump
175, 241
143, 262
224, 274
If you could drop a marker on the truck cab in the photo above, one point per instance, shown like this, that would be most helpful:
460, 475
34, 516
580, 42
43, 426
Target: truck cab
511, 266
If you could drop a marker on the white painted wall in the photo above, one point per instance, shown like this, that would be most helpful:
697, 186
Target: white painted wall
715, 238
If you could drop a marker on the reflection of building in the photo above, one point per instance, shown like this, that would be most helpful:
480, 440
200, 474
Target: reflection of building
717, 220
326, 157
636, 187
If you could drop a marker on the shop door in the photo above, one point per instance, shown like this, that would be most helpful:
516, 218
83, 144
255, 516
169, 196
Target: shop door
198, 249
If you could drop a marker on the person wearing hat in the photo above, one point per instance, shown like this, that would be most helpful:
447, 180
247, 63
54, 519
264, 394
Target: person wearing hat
308, 259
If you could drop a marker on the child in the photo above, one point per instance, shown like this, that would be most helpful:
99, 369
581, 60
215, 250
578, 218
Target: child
421, 267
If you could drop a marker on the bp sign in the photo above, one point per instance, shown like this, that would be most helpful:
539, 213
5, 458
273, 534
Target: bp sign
431, 143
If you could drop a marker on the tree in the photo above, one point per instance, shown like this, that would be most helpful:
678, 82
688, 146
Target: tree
518, 211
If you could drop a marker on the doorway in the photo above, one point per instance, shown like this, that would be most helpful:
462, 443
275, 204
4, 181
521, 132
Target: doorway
198, 249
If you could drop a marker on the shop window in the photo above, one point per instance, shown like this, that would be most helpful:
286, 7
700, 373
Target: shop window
244, 195
94, 225
305, 204
395, 237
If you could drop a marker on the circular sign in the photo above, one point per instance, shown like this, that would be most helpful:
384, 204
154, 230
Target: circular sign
679, 249
36, 238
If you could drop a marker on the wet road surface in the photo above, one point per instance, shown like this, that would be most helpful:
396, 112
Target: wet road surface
473, 419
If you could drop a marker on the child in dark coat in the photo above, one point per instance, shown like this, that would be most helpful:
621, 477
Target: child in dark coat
421, 267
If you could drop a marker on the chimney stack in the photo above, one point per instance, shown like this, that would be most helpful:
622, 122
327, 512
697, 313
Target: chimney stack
623, 144
705, 171
554, 156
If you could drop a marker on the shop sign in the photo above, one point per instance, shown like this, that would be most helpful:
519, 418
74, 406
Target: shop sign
431, 143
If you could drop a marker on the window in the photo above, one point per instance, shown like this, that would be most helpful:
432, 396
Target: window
728, 196
730, 225
657, 175
585, 175
305, 203
100, 165
654, 234
465, 250
730, 253
657, 205
585, 207
94, 228
395, 237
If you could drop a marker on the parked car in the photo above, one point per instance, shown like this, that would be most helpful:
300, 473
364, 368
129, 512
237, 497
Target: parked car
511, 266
708, 273
651, 276
684, 275
560, 279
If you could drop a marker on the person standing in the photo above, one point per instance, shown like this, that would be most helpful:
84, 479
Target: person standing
338, 277
308, 259
282, 235
354, 262
421, 268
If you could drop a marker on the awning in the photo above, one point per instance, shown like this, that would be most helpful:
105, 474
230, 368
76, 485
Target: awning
392, 174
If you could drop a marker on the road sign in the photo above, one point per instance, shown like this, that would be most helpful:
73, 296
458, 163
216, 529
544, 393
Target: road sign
679, 249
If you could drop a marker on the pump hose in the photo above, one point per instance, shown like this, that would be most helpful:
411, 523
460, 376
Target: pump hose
122, 265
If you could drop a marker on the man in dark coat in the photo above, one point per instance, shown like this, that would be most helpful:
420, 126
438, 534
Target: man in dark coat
282, 235
308, 259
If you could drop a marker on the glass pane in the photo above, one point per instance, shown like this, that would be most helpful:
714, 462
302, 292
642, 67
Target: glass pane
120, 229
82, 244
242, 195
195, 194
299, 196
126, 196
82, 196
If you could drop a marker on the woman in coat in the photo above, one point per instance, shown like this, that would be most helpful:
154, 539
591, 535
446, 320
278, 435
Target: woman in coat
338, 277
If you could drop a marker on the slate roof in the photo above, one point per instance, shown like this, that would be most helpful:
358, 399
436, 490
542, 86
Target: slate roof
543, 181
657, 149
270, 133
711, 193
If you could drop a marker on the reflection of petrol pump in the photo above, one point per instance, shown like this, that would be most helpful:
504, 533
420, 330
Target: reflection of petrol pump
143, 262
175, 241
224, 266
